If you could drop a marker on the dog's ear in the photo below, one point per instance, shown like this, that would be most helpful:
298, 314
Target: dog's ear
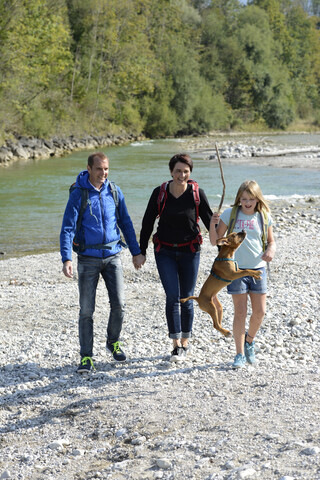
222, 241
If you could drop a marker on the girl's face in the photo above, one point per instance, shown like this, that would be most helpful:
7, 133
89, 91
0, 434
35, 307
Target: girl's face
181, 174
248, 203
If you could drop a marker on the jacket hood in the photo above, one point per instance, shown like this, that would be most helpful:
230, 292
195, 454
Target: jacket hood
83, 180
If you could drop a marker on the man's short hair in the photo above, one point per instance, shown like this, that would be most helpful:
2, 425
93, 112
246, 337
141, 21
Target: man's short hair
98, 155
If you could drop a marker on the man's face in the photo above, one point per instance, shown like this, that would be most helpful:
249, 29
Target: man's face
98, 173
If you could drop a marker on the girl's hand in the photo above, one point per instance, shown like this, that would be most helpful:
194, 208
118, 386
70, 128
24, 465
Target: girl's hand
215, 218
269, 253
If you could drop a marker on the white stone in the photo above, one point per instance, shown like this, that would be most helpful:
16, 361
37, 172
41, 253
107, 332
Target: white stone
163, 463
138, 440
248, 472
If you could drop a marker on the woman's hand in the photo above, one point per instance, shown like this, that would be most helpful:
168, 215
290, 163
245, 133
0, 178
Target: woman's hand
138, 261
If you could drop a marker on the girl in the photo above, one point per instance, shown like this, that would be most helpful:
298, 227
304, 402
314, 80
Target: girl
250, 213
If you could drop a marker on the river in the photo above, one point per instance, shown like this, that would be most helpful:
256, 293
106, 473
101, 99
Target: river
33, 194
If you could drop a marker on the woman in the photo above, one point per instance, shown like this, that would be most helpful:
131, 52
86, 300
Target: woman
179, 203
252, 215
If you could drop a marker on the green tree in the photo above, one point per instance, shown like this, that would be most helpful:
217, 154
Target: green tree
36, 61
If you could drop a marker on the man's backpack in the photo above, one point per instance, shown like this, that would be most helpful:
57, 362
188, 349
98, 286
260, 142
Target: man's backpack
79, 246
264, 223
161, 201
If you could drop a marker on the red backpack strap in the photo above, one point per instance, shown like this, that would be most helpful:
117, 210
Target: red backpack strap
196, 195
162, 197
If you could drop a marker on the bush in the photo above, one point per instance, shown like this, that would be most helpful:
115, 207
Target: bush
278, 113
39, 123
161, 120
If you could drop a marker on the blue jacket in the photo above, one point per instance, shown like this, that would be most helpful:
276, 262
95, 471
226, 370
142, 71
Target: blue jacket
99, 224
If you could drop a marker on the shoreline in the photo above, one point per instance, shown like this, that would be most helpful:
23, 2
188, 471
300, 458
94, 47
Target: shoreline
150, 419
31, 148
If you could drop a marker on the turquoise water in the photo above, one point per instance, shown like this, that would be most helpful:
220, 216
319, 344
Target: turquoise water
33, 194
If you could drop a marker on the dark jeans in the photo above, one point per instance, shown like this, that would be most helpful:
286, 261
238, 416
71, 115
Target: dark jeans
89, 270
178, 273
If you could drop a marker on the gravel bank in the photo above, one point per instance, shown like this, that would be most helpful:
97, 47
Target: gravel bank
149, 419
256, 150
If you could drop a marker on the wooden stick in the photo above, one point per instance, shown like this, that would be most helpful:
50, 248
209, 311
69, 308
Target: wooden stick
222, 178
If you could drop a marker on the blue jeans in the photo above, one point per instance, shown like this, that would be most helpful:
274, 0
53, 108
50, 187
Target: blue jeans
89, 270
178, 273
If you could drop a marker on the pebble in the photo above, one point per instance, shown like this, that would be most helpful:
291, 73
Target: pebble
148, 417
163, 463
5, 474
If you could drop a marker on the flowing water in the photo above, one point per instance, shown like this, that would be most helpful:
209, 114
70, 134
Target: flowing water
33, 194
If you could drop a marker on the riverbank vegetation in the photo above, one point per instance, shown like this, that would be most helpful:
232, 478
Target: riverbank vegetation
161, 67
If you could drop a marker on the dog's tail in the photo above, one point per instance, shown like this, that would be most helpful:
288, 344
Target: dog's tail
184, 300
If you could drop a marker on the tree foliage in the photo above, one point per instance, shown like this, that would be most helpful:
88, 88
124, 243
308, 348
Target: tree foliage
164, 67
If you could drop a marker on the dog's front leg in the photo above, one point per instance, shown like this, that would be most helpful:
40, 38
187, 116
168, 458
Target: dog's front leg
247, 273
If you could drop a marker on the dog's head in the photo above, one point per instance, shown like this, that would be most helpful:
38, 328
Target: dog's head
232, 241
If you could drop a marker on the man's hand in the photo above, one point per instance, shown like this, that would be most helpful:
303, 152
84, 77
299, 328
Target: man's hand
68, 269
138, 260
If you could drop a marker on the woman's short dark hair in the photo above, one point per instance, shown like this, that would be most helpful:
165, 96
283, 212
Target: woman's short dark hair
181, 157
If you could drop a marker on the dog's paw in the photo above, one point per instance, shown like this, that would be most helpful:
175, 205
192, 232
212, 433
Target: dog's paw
257, 275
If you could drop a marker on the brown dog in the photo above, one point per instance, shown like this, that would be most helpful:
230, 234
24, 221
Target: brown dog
224, 270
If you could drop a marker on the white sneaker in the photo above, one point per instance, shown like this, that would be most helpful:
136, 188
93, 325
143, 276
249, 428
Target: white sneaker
178, 354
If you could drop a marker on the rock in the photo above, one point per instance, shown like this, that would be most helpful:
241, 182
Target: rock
163, 463
311, 451
5, 474
248, 472
58, 444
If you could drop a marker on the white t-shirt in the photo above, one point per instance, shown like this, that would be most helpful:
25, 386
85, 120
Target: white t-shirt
248, 255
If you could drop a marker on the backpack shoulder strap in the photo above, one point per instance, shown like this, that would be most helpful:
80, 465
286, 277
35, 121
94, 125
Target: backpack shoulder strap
233, 218
115, 194
162, 197
196, 195
84, 201
264, 223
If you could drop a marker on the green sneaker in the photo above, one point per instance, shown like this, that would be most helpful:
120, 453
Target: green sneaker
239, 361
117, 352
86, 365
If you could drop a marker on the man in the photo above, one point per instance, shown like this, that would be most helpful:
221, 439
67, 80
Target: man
98, 246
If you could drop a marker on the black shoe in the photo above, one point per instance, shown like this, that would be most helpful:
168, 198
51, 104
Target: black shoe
178, 354
86, 365
117, 352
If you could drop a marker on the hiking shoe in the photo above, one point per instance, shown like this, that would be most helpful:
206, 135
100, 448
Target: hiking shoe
178, 354
239, 361
86, 365
117, 352
249, 352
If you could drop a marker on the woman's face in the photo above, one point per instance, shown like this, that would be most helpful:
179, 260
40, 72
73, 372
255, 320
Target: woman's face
181, 174
248, 203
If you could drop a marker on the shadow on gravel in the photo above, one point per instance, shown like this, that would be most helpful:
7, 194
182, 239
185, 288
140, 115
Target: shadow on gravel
22, 389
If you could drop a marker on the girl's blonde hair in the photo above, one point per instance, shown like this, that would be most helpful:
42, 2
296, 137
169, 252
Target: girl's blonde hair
252, 189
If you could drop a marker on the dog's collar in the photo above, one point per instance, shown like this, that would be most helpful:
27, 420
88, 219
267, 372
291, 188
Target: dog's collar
228, 260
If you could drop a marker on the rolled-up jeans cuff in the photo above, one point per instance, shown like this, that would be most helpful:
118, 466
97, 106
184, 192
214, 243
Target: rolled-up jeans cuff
186, 334
175, 336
